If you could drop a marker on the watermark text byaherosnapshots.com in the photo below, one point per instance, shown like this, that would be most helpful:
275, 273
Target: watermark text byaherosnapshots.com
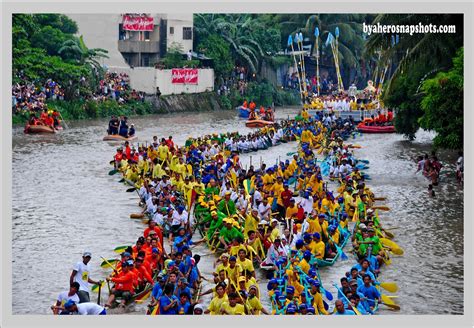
407, 29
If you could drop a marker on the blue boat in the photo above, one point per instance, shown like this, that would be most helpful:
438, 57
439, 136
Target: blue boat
243, 112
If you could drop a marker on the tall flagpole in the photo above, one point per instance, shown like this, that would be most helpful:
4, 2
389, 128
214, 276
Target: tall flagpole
339, 78
298, 38
316, 34
290, 43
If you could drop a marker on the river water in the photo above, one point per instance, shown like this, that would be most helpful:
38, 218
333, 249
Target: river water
64, 203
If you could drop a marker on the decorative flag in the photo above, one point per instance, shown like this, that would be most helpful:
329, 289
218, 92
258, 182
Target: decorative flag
329, 39
337, 32
316, 32
290, 40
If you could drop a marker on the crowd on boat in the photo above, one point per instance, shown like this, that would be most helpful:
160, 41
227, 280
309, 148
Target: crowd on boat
48, 118
119, 126
281, 218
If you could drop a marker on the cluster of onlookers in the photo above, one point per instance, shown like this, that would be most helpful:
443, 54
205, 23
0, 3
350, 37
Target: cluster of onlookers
26, 96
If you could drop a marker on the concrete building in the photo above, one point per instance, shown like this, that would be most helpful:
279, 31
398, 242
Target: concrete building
128, 47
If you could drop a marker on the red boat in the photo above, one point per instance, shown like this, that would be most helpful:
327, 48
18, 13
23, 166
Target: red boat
35, 129
363, 127
375, 129
258, 123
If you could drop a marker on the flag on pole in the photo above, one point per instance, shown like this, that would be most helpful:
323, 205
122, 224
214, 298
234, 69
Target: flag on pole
316, 32
329, 39
337, 32
290, 40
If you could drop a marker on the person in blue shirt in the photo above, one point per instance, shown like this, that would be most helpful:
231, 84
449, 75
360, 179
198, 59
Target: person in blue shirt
369, 291
182, 288
354, 285
157, 291
341, 310
184, 305
168, 301
355, 301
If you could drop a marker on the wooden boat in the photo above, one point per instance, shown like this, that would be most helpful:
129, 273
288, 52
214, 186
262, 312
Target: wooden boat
243, 112
258, 123
116, 137
38, 129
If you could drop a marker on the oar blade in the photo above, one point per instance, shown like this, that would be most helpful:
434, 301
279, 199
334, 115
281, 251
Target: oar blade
112, 172
120, 249
105, 265
389, 286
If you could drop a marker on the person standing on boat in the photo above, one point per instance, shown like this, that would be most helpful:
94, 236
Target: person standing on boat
80, 274
123, 128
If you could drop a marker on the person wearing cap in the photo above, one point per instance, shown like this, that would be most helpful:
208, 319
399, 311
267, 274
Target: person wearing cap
234, 270
124, 285
70, 295
231, 307
80, 274
229, 232
87, 308
227, 205
317, 246
215, 225
216, 303
157, 291
318, 303
253, 303
291, 210
273, 232
224, 258
198, 309
374, 241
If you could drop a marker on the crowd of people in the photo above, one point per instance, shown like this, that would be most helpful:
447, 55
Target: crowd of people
282, 218
260, 114
28, 97
116, 86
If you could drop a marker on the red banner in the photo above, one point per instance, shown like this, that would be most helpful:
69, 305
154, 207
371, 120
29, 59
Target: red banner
184, 76
137, 23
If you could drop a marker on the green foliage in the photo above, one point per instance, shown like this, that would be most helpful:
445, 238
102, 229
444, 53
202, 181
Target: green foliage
443, 105
44, 47
406, 104
225, 102
277, 61
264, 94
48, 38
216, 48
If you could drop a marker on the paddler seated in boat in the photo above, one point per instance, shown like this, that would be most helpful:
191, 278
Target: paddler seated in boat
34, 120
341, 310
252, 105
55, 114
44, 115
369, 291
48, 121
123, 286
269, 114
245, 104
390, 117
131, 131
252, 115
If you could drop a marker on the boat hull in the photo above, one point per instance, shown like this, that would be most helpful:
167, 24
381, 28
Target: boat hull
116, 137
39, 129
258, 123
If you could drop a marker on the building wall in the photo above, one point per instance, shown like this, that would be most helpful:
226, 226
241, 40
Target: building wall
147, 79
178, 21
101, 31
205, 82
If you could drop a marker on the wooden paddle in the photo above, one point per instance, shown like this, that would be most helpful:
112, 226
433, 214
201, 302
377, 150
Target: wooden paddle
380, 198
131, 189
394, 248
347, 300
104, 263
382, 208
98, 297
95, 287
137, 216
120, 249
339, 250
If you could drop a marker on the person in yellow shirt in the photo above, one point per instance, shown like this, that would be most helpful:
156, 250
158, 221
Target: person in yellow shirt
319, 247
274, 232
181, 167
254, 305
234, 270
244, 262
304, 263
217, 302
317, 298
291, 210
251, 221
163, 151
231, 307
198, 186
222, 266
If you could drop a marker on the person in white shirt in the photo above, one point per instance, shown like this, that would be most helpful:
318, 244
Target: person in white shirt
257, 196
264, 209
80, 274
242, 202
65, 296
87, 308
275, 252
306, 203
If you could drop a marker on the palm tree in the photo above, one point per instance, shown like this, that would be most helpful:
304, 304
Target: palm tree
238, 30
75, 50
434, 50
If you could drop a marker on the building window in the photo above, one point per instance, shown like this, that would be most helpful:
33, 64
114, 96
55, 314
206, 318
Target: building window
147, 35
171, 29
145, 61
187, 33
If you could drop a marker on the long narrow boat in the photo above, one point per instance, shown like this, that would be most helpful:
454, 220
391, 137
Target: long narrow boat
38, 129
330, 262
258, 123
116, 137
